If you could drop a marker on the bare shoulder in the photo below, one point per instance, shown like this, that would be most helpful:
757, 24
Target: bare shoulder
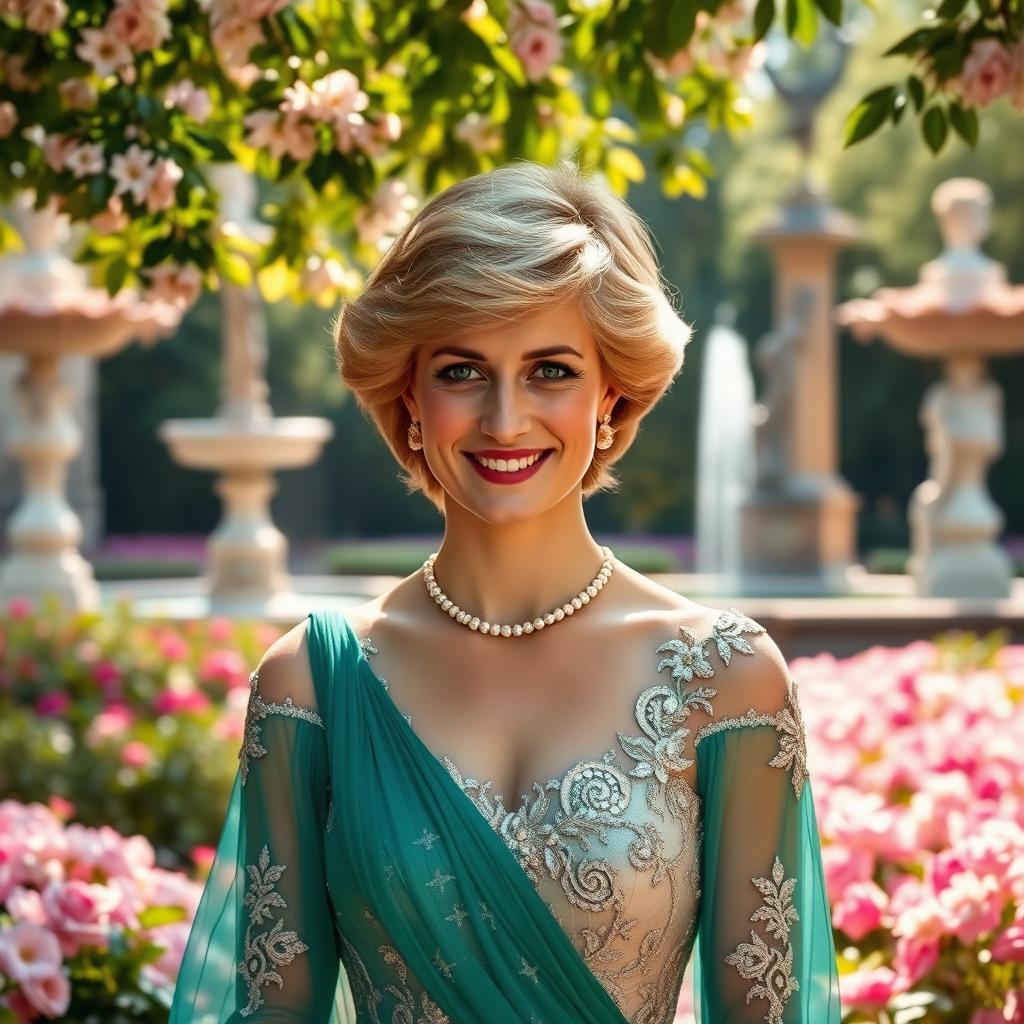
284, 669
697, 642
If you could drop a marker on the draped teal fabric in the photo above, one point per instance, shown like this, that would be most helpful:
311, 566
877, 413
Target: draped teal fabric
355, 882
761, 863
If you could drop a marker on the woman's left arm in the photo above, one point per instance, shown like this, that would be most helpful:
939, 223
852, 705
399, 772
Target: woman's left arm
765, 950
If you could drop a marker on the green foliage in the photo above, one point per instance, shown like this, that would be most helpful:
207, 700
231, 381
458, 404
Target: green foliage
429, 65
64, 675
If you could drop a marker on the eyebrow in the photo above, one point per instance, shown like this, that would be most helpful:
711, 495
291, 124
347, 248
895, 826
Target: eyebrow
468, 353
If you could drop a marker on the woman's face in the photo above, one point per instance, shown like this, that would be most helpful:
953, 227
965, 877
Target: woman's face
535, 390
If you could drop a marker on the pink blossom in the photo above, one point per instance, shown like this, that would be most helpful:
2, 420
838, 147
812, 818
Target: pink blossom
169, 703
190, 99
56, 149
8, 118
224, 666
179, 285
132, 172
973, 905
322, 275
135, 754
111, 219
63, 809
219, 629
526, 13
1009, 944
144, 26
987, 1017
986, 74
860, 909
25, 904
914, 958
103, 50
172, 647
479, 133
77, 93
872, 987
113, 721
387, 213
50, 994
20, 608
44, 16
234, 37
537, 49
79, 913
166, 175
331, 98
52, 704
29, 950
86, 159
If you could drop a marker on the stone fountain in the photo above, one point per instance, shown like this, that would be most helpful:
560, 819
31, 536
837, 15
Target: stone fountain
247, 568
963, 311
48, 312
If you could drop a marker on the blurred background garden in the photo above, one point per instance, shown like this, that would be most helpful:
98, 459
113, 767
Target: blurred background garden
190, 189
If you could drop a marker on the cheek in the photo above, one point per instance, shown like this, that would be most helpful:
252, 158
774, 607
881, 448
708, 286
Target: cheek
446, 415
570, 413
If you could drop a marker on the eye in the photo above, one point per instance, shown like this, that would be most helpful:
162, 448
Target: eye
445, 373
451, 372
567, 371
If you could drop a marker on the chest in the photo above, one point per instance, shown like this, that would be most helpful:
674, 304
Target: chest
519, 717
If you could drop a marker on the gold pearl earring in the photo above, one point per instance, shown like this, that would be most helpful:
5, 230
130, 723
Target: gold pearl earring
415, 437
605, 433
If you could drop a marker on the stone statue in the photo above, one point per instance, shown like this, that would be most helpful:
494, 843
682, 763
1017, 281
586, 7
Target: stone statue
962, 274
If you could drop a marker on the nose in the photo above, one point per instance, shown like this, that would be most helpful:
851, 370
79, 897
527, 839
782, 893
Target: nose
506, 414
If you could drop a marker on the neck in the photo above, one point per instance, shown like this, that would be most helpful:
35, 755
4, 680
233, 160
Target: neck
518, 571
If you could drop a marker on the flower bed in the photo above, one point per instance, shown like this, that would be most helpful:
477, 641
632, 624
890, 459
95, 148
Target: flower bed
126, 719
90, 927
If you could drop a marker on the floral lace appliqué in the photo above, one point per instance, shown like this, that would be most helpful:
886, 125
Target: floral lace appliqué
265, 951
256, 711
770, 967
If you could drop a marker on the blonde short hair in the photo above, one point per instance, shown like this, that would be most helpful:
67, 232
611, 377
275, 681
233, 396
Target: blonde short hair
492, 249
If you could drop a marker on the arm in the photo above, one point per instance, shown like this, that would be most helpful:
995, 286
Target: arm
765, 950
263, 946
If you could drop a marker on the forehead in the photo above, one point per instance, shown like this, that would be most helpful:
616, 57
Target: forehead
561, 324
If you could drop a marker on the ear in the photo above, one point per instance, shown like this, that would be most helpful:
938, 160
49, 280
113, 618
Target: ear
410, 403
611, 396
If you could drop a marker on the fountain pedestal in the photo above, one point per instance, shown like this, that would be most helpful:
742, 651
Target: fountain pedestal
48, 311
963, 312
800, 520
246, 571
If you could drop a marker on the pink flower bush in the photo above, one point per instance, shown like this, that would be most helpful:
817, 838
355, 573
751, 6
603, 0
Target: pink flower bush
64, 892
919, 791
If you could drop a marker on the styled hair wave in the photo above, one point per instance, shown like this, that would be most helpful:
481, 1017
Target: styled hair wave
492, 249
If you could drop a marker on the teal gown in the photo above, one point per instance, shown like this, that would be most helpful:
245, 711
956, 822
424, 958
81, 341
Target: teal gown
360, 879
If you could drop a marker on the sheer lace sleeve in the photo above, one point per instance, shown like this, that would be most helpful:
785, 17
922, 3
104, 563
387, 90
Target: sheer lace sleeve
765, 950
263, 945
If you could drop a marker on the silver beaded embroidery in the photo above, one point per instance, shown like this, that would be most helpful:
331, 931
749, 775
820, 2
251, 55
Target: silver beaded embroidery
256, 711
590, 803
770, 967
265, 951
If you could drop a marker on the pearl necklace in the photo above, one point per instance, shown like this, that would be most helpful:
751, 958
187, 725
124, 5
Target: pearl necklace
446, 604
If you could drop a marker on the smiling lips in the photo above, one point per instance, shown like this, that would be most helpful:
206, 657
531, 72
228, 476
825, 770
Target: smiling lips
510, 466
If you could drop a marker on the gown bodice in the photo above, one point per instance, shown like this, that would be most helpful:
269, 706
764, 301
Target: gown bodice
349, 844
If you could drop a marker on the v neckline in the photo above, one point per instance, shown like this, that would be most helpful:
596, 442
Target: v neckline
522, 801
495, 839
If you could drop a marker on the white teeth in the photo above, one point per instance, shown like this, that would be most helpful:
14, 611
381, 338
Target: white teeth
508, 465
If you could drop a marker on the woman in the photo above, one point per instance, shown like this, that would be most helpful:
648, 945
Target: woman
507, 347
